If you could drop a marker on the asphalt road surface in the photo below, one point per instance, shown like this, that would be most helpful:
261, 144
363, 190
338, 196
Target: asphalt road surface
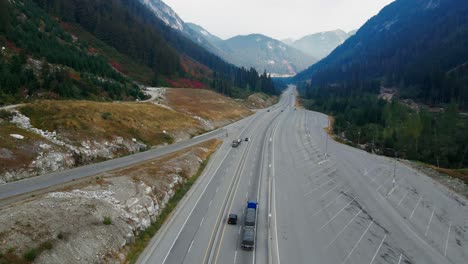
319, 202
45, 181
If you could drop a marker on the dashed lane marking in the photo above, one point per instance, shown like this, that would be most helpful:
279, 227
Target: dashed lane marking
399, 203
447, 240
378, 249
329, 221
415, 207
190, 247
336, 186
355, 246
326, 206
344, 228
429, 224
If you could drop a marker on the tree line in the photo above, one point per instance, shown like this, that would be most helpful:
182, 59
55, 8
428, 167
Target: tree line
438, 138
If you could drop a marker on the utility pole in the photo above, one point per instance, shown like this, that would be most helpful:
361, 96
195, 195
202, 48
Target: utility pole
326, 140
394, 167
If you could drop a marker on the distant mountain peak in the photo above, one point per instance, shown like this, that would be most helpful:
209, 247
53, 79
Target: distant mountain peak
320, 44
165, 13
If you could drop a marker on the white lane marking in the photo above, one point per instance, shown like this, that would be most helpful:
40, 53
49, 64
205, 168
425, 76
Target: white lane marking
190, 247
323, 161
344, 228
385, 182
246, 195
399, 261
446, 242
191, 211
417, 204
235, 257
217, 189
399, 203
329, 221
355, 246
201, 223
269, 165
326, 206
210, 203
239, 230
428, 224
378, 249
318, 187
392, 191
330, 190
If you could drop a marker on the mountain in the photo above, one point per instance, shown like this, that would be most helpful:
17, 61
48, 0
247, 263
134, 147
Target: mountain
281, 60
104, 50
319, 45
257, 51
419, 47
265, 53
207, 35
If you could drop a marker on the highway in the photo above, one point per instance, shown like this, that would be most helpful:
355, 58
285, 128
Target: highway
319, 202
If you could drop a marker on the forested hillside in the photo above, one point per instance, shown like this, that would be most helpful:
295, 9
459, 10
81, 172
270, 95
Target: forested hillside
419, 51
138, 33
419, 47
98, 49
39, 58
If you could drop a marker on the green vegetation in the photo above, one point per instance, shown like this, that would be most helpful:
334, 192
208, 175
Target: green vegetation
32, 254
436, 138
107, 220
62, 67
142, 240
5, 115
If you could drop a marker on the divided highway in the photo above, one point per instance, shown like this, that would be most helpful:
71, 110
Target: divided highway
345, 206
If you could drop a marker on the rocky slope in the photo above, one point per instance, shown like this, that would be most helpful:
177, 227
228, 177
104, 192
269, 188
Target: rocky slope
49, 136
92, 221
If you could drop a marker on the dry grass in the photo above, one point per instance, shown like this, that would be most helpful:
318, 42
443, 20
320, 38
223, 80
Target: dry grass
86, 120
206, 104
461, 174
260, 100
22, 151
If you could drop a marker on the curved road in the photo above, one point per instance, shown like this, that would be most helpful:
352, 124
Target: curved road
344, 207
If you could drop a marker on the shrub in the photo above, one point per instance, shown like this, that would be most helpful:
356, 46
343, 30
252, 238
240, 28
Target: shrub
106, 115
107, 220
31, 254
5, 115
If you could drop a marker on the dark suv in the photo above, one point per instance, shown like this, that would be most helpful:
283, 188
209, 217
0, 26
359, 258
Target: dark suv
232, 219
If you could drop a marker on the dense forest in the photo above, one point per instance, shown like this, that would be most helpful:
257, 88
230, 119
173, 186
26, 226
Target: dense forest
418, 47
135, 31
438, 138
39, 58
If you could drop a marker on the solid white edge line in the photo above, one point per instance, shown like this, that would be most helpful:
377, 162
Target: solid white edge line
193, 208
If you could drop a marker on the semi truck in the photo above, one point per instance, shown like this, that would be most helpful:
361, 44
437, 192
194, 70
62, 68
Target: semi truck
250, 222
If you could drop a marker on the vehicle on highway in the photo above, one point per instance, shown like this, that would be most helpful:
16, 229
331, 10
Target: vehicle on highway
250, 218
247, 139
268, 110
232, 219
248, 238
236, 143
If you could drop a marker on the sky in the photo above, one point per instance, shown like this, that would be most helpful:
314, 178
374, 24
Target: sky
279, 19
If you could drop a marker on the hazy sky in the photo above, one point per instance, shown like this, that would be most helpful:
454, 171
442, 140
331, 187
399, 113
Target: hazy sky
276, 18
